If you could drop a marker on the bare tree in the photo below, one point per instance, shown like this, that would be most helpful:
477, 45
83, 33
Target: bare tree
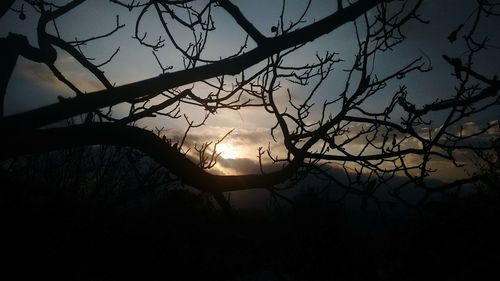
396, 140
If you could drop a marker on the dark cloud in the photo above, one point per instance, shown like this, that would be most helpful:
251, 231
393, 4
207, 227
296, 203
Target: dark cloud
243, 165
248, 166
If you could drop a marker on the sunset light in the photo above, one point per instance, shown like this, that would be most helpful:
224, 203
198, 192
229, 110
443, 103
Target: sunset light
228, 151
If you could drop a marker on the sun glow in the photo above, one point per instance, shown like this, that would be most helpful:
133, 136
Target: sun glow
228, 151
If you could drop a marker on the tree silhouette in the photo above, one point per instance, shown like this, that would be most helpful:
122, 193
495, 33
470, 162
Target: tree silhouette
400, 139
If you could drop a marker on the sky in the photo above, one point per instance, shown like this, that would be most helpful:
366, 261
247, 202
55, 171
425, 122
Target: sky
33, 85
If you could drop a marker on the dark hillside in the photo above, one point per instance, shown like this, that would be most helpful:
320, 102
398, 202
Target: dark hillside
181, 236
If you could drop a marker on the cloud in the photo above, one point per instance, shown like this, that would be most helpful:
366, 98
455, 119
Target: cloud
40, 74
468, 129
247, 141
494, 130
239, 165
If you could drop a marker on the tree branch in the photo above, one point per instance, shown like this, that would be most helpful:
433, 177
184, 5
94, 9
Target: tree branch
235, 12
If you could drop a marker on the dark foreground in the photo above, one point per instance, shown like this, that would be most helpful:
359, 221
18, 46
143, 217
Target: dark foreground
47, 235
